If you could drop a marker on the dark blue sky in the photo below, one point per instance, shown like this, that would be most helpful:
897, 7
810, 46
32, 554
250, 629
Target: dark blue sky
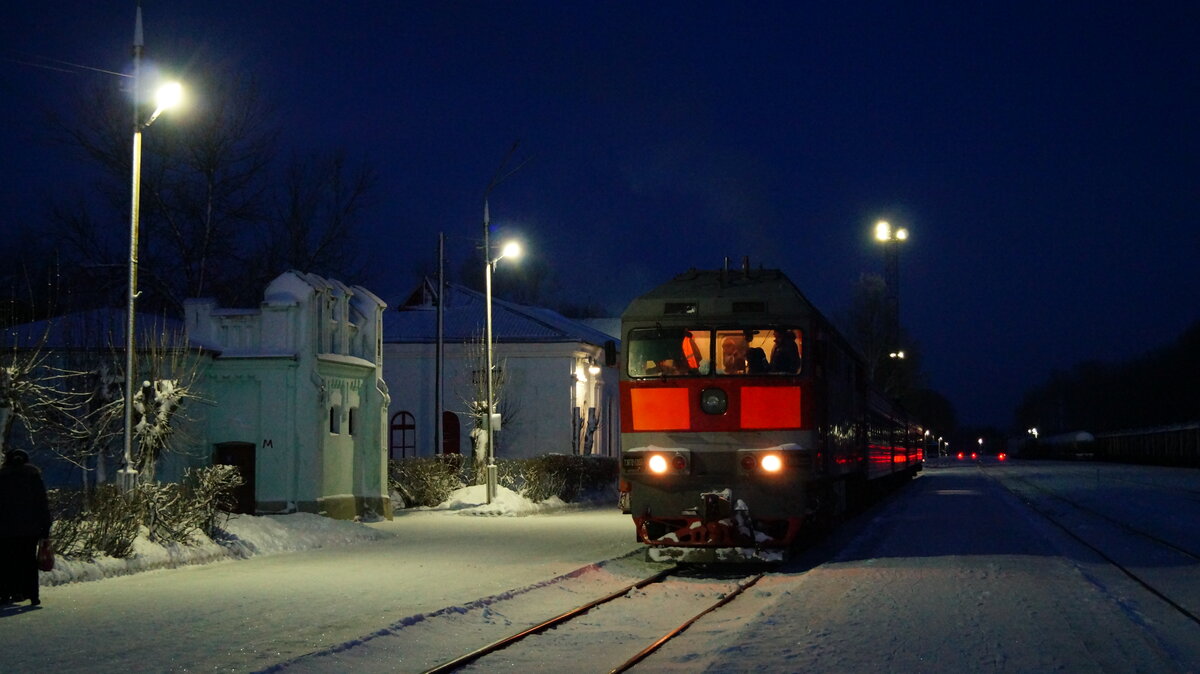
1045, 156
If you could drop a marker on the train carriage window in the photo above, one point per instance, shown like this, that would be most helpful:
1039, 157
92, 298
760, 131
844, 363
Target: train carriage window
660, 352
759, 351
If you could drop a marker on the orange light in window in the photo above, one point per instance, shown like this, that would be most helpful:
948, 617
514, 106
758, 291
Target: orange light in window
659, 409
771, 407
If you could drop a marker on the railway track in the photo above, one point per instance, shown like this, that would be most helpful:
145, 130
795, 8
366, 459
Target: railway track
631, 593
1139, 567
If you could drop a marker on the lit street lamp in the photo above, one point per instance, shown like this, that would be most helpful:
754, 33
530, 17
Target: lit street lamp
891, 237
511, 249
168, 96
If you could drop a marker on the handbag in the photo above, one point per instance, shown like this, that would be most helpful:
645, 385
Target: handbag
45, 555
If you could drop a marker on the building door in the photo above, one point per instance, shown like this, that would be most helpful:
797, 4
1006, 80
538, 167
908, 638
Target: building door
241, 456
450, 433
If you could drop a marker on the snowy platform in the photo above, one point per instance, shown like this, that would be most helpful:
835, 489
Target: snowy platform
952, 573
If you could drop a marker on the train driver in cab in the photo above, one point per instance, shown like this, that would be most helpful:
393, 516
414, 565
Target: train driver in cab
785, 355
756, 358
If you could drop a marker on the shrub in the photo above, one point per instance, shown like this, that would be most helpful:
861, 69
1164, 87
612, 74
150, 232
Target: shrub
173, 513
108, 522
426, 481
566, 476
430, 481
212, 495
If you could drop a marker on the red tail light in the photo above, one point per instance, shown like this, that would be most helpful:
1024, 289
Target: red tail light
1002, 456
960, 455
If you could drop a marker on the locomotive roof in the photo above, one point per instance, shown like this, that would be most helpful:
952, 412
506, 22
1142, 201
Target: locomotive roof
718, 294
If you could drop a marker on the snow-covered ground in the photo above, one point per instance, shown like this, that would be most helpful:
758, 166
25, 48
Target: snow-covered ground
250, 536
952, 573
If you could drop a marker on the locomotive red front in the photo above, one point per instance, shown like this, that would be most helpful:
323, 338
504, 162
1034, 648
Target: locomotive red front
745, 418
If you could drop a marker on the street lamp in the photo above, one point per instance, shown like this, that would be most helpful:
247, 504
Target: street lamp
168, 96
511, 249
891, 237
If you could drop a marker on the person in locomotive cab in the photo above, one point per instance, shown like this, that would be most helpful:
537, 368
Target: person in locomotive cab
785, 355
756, 358
692, 357
733, 355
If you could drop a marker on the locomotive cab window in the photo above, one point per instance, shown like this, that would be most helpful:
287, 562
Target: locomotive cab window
674, 352
669, 352
762, 351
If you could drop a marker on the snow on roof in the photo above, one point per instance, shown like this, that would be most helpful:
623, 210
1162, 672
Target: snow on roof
293, 286
415, 322
95, 329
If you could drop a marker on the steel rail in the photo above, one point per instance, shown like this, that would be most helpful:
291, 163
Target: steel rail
1127, 527
680, 629
1103, 555
541, 627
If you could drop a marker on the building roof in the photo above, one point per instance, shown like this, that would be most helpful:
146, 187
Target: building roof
415, 320
95, 329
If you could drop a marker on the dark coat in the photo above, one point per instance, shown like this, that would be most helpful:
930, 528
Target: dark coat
24, 509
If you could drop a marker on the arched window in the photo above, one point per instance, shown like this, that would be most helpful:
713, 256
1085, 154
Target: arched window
403, 436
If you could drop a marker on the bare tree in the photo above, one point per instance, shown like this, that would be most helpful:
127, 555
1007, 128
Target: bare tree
321, 201
170, 373
31, 393
217, 220
477, 405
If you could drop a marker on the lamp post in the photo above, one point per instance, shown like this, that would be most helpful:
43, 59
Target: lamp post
510, 249
891, 237
168, 95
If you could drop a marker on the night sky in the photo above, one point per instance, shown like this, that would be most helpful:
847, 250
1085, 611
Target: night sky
1044, 155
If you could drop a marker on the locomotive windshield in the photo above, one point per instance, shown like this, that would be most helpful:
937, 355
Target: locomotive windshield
672, 352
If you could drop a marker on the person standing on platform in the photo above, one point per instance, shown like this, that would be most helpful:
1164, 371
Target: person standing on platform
24, 521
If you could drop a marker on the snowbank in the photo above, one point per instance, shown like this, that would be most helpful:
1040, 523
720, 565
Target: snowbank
248, 536
473, 501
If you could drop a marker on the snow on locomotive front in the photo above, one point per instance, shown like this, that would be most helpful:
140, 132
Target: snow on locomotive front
720, 460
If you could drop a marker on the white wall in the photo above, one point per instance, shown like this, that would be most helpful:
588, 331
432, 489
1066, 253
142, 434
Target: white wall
540, 392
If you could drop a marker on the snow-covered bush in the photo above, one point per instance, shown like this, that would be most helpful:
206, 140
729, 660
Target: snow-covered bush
426, 481
430, 481
212, 495
565, 476
109, 519
107, 525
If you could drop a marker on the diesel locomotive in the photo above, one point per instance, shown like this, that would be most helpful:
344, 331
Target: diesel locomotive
747, 420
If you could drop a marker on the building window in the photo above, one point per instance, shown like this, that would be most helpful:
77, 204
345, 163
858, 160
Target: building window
403, 437
350, 421
335, 420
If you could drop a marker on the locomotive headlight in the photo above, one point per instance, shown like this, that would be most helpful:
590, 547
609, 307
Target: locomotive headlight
771, 463
714, 401
658, 464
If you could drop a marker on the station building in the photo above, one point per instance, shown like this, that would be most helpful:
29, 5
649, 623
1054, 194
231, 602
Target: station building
558, 379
